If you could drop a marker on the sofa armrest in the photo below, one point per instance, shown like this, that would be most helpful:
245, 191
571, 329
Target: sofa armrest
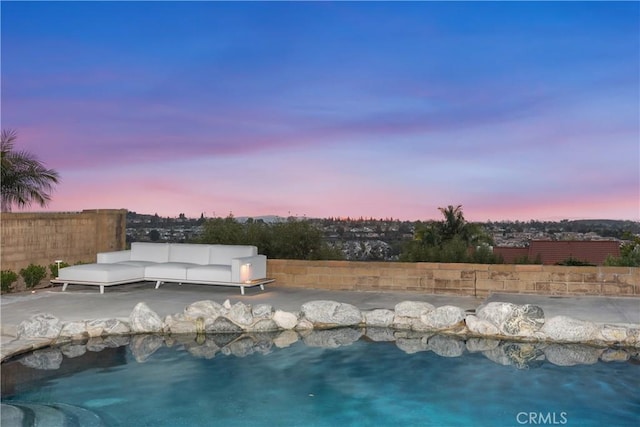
248, 268
113, 257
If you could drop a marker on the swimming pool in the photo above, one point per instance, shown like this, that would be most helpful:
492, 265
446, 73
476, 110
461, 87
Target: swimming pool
329, 380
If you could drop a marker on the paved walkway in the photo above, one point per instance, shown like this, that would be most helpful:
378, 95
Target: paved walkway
81, 303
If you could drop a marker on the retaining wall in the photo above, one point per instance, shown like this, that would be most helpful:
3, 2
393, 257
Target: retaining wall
43, 237
478, 280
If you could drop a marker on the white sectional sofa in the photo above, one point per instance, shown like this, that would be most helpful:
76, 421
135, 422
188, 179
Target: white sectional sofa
226, 265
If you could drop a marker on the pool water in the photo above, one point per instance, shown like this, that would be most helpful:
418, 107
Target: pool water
363, 383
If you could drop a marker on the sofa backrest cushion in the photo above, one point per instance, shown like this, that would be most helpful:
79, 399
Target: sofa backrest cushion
188, 252
154, 252
223, 254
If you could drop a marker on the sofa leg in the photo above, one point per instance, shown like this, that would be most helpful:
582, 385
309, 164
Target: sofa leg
262, 287
242, 290
101, 289
64, 287
158, 283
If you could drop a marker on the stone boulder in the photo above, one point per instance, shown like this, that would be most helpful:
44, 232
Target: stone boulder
285, 320
262, 311
331, 314
74, 330
222, 324
183, 324
413, 309
204, 309
512, 319
144, 320
613, 333
378, 318
480, 326
445, 317
40, 326
105, 327
567, 329
240, 314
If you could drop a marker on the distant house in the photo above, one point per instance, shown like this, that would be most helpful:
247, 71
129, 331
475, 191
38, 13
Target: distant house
551, 252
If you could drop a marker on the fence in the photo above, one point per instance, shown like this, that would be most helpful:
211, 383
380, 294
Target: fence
43, 237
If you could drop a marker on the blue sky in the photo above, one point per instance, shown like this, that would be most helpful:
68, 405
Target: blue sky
376, 109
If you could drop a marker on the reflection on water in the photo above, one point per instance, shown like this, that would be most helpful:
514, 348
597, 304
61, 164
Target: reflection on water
347, 376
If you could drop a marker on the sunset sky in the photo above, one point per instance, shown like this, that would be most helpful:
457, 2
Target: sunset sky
516, 111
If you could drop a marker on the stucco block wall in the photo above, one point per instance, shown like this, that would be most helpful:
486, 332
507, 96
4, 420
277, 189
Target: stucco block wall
42, 237
478, 280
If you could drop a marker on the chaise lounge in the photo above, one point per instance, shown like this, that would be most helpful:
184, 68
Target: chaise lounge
222, 265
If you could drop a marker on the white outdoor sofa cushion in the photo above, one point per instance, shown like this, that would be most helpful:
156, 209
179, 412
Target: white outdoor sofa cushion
226, 265
100, 274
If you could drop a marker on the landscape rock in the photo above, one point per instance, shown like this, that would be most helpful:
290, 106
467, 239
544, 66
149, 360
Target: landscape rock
285, 320
181, 324
331, 314
512, 319
567, 329
144, 320
222, 324
612, 333
481, 326
444, 317
264, 325
240, 314
74, 330
413, 309
262, 311
204, 309
304, 325
378, 318
104, 327
40, 326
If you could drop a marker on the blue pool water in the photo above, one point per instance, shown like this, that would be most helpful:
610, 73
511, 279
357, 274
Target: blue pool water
360, 384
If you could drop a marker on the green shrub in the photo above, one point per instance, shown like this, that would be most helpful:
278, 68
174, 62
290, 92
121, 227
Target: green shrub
53, 268
7, 279
33, 274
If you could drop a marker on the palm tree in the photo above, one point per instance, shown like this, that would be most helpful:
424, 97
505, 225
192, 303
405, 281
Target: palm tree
24, 179
454, 223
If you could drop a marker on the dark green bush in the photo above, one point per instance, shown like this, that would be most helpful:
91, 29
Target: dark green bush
7, 279
33, 274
